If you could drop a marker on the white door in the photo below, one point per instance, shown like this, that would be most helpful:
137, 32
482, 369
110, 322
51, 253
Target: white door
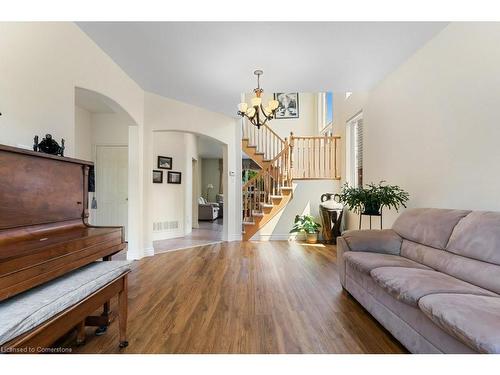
111, 174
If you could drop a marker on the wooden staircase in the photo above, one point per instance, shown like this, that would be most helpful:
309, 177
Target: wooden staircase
268, 192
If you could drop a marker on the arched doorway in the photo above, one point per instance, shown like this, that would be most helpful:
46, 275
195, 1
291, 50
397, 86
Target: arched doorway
187, 192
104, 132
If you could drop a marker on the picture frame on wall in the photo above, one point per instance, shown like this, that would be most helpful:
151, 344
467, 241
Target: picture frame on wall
164, 162
288, 105
157, 177
174, 177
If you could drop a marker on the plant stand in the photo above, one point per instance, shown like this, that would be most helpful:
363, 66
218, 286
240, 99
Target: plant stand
370, 215
331, 221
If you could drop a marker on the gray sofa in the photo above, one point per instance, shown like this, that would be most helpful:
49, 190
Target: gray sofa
433, 280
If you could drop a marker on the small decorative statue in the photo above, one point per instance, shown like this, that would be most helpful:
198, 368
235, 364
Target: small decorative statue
49, 145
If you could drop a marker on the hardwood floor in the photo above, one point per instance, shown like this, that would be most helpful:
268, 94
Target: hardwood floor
243, 297
209, 232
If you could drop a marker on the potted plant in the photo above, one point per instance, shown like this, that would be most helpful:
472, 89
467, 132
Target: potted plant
308, 225
372, 199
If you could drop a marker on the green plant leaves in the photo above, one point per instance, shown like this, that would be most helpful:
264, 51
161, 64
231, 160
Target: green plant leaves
305, 223
373, 198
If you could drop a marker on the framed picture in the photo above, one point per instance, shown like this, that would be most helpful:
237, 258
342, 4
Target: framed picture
164, 162
157, 177
288, 105
174, 177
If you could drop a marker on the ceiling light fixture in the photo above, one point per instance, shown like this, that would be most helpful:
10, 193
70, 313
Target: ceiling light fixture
257, 114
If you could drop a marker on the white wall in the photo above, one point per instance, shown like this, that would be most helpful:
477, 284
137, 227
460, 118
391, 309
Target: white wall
83, 134
432, 126
92, 129
41, 65
173, 202
110, 128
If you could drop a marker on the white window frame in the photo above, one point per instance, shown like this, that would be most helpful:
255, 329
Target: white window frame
321, 113
351, 150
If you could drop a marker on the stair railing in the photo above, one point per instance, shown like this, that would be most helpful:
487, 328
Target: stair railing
299, 157
261, 188
265, 139
314, 157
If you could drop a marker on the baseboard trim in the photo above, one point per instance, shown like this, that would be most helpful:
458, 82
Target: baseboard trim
234, 237
168, 235
191, 247
273, 237
149, 251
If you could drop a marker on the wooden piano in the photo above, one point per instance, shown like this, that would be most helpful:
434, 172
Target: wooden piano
44, 234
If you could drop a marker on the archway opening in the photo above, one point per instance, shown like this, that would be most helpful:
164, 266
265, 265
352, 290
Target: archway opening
102, 134
188, 190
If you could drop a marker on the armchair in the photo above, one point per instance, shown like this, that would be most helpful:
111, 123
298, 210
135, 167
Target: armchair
206, 210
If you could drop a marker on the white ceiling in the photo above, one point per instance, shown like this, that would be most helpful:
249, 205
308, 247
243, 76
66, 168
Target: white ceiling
209, 64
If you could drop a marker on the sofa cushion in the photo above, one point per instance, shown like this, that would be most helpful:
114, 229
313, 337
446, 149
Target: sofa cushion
428, 226
366, 261
477, 236
411, 284
482, 274
27, 310
473, 319
377, 241
407, 323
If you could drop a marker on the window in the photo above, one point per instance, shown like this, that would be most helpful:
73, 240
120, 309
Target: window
325, 111
328, 108
354, 150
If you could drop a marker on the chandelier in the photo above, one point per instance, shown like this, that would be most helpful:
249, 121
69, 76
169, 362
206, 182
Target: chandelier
257, 114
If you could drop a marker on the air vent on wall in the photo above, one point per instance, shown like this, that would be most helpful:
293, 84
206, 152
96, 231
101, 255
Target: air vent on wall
161, 226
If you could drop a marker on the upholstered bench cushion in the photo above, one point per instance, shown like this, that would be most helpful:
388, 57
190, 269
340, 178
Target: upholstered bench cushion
410, 284
366, 261
474, 320
27, 310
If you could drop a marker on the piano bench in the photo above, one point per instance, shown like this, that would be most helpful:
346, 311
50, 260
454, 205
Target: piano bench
32, 321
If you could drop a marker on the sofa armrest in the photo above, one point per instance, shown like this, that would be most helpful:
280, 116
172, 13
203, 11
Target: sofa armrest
384, 241
342, 247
